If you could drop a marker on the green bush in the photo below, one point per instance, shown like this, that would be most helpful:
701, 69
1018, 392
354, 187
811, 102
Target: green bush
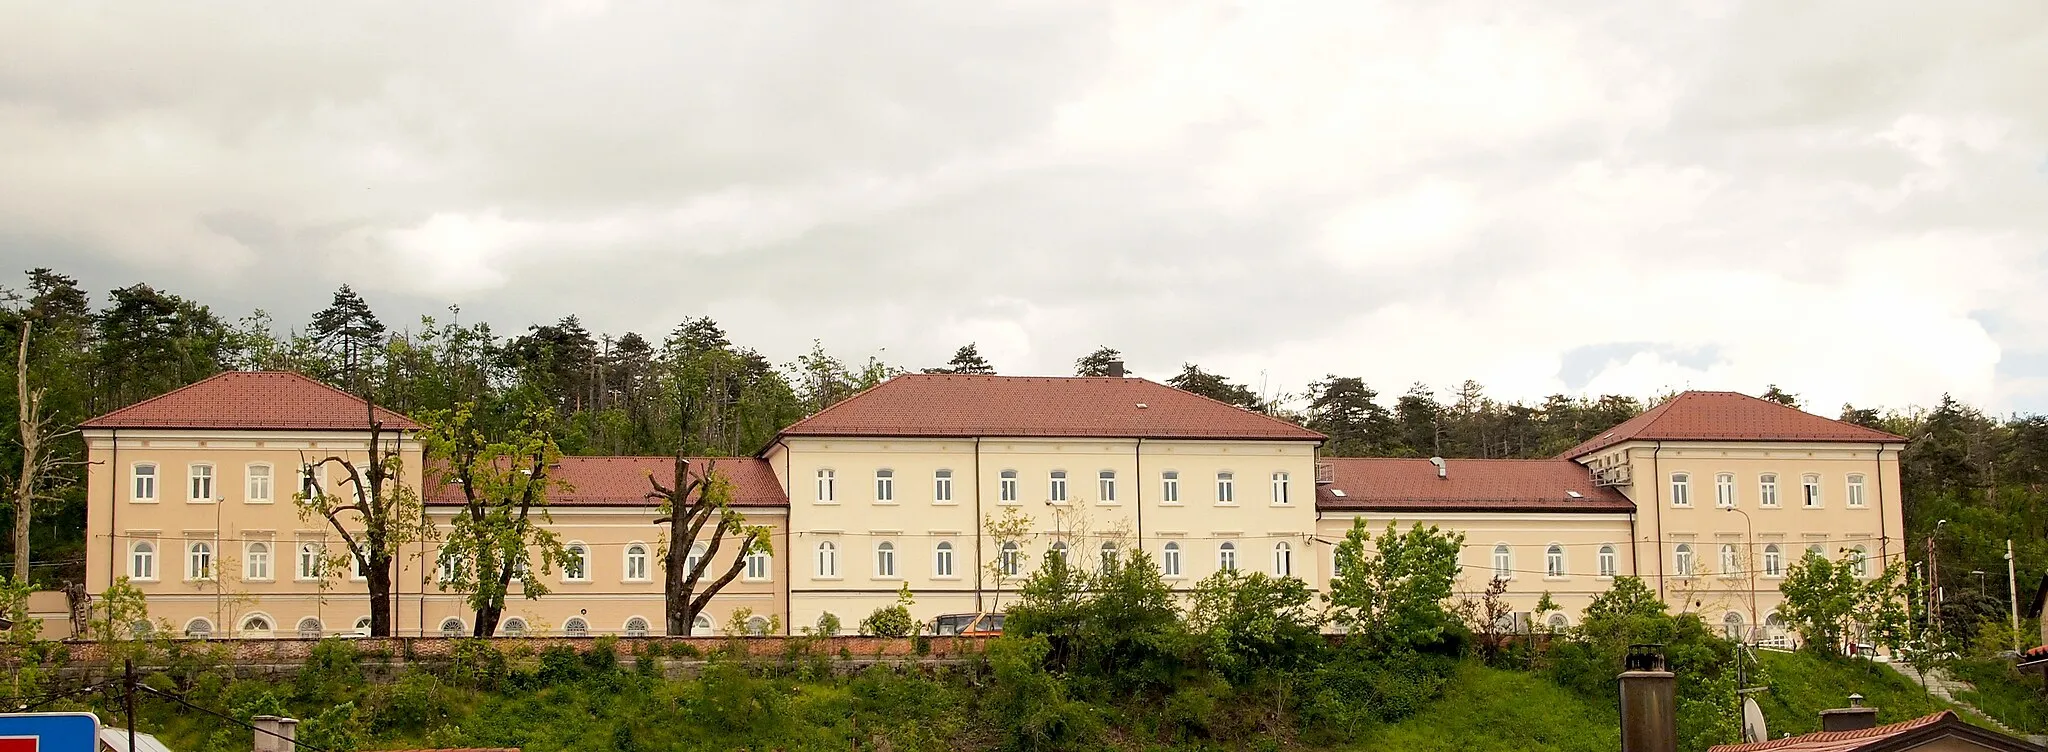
888, 621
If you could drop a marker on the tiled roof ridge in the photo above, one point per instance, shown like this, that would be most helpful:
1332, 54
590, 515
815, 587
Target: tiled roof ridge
828, 409
166, 395
1874, 732
1247, 410
1645, 424
403, 422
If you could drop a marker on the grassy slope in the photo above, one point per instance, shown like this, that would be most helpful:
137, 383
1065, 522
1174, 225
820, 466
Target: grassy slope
1488, 709
1803, 684
2007, 695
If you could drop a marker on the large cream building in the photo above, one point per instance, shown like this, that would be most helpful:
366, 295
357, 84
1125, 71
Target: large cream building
1709, 497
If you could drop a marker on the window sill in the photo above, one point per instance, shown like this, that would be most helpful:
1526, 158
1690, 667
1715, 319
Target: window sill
142, 579
258, 501
945, 503
1557, 579
1108, 503
742, 579
828, 579
1281, 505
824, 503
1605, 578
883, 503
259, 579
1856, 506
305, 579
1226, 503
578, 581
199, 501
889, 578
1171, 504
142, 501
947, 577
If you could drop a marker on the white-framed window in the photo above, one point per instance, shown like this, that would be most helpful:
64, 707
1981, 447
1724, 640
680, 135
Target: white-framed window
1731, 562
1283, 560
828, 559
1169, 560
358, 570
1681, 560
885, 486
1107, 555
1767, 490
1855, 497
256, 625
942, 559
1774, 561
1809, 485
1503, 562
757, 626
1553, 561
1006, 486
309, 628
1105, 487
199, 481
256, 561
142, 561
1226, 557
450, 567
363, 627
310, 560
759, 565
1724, 490
452, 627
199, 561
1058, 551
695, 558
1226, 490
1559, 622
1816, 549
1280, 488
258, 483
199, 629
1731, 626
513, 627
1056, 486
828, 486
942, 487
1012, 559
1169, 487
636, 627
576, 562
1681, 489
142, 486
576, 626
636, 562
313, 478
701, 627
1609, 563
1859, 562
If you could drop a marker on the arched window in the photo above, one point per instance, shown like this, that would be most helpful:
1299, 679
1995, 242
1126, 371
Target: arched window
757, 626
1169, 561
636, 562
1731, 563
1815, 549
144, 486
256, 561
1681, 560
828, 488
1503, 562
636, 627
885, 486
1280, 488
257, 488
1226, 557
575, 626
1012, 559
1859, 562
1553, 561
142, 561
1774, 631
828, 559
576, 562
452, 627
513, 627
1107, 555
256, 625
1283, 560
885, 559
1767, 490
1608, 564
1724, 490
311, 556
1058, 551
199, 561
1056, 487
1731, 626
1105, 486
701, 627
942, 559
363, 627
1169, 487
942, 487
1774, 561
1006, 486
199, 629
1226, 492
1559, 622
695, 558
1855, 498
309, 628
759, 565
1810, 486
1681, 489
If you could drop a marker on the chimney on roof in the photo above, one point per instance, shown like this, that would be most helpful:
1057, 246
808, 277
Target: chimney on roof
1852, 718
267, 732
1649, 706
1116, 369
1443, 472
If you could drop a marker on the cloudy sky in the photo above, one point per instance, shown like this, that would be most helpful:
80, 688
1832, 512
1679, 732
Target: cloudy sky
1846, 198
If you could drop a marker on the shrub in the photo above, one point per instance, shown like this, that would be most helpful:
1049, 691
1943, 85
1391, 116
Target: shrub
828, 625
888, 621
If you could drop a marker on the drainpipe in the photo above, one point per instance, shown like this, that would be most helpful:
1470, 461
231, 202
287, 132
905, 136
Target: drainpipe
1138, 488
788, 545
977, 525
114, 512
1657, 498
1884, 535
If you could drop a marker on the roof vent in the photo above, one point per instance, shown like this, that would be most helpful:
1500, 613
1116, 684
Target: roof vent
1442, 471
1575, 494
1141, 405
1337, 492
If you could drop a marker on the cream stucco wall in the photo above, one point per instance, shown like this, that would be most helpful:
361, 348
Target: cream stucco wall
1528, 537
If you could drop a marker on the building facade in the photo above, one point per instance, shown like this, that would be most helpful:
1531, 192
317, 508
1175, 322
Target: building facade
953, 488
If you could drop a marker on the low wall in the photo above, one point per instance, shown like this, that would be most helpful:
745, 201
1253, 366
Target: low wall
293, 651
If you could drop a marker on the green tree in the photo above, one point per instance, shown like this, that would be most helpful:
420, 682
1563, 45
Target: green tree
689, 502
1246, 624
1346, 410
1821, 598
502, 525
1214, 386
1780, 396
348, 336
377, 518
967, 360
1390, 592
1097, 363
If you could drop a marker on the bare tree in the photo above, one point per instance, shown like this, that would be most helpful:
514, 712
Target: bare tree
39, 463
690, 502
375, 516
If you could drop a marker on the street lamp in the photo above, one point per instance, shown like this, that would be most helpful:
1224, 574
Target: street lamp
1749, 564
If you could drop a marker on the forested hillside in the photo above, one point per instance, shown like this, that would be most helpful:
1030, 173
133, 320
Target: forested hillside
627, 393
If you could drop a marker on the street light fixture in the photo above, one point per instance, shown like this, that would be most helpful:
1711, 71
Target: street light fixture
1749, 566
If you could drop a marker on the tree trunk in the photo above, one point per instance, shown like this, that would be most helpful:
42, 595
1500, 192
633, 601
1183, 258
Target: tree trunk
380, 593
31, 444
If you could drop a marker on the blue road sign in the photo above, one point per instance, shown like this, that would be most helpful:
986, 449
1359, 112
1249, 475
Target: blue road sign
49, 732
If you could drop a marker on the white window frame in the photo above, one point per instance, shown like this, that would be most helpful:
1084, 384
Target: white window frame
200, 562
576, 626
1283, 560
1609, 561
1105, 555
1169, 560
885, 486
1859, 562
942, 561
576, 562
261, 623
1226, 489
1011, 559
1731, 560
1682, 560
825, 561
358, 571
1056, 487
1553, 562
458, 629
942, 486
1105, 487
259, 488
142, 486
1774, 560
1169, 488
1006, 487
1724, 490
760, 566
307, 561
828, 486
1503, 561
311, 628
512, 627
142, 561
446, 566
1226, 557
205, 630
1059, 550
696, 556
1280, 479
194, 479
1681, 489
632, 631
636, 562
1767, 490
1810, 491
1854, 498
257, 565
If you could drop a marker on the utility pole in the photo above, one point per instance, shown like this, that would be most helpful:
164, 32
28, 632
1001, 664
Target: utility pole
128, 698
2012, 594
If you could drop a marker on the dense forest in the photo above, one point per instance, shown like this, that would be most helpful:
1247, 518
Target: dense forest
628, 393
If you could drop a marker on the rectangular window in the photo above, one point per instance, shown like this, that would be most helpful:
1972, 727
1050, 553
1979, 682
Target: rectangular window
885, 486
828, 486
201, 476
1006, 488
259, 483
1169, 487
942, 486
1767, 490
145, 483
1056, 486
1225, 493
1855, 498
1105, 486
757, 565
1280, 488
1810, 484
1681, 490
1724, 490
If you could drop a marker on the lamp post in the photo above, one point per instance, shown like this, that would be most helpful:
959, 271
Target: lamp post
1749, 565
1934, 589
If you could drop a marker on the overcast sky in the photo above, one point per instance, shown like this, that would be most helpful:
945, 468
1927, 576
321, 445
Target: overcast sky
1849, 199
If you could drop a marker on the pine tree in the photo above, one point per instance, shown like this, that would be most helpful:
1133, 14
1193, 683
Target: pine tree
967, 361
1214, 386
1780, 396
1344, 408
349, 335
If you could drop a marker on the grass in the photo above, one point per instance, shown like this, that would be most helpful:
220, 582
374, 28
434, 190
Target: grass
1802, 684
1486, 709
2014, 699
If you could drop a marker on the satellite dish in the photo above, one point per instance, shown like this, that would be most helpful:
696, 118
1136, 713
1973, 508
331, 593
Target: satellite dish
1753, 722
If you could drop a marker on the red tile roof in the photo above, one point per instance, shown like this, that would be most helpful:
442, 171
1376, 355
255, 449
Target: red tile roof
1728, 416
957, 406
252, 400
622, 481
1378, 484
2034, 654
1930, 727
